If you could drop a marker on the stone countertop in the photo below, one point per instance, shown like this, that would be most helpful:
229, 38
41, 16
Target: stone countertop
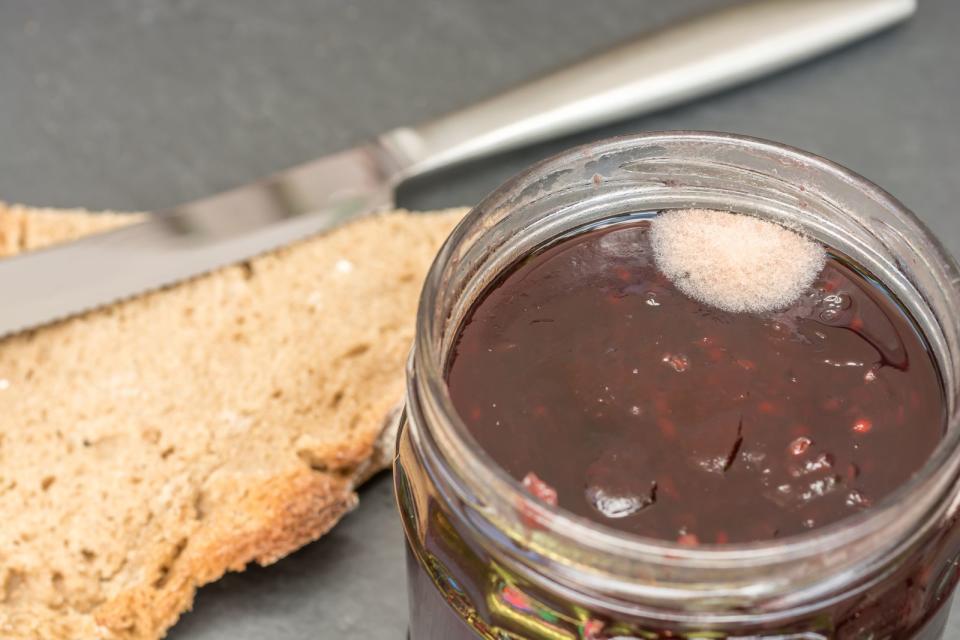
142, 104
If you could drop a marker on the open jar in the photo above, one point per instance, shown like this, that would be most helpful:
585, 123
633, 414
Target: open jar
486, 560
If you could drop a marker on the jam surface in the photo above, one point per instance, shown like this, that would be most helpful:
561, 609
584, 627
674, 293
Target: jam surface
591, 379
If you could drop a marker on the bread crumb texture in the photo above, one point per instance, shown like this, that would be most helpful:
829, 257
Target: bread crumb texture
147, 448
734, 262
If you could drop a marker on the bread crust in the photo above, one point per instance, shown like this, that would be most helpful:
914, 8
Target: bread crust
288, 512
252, 477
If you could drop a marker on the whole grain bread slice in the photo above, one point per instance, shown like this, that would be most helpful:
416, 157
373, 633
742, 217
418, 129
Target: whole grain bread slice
147, 448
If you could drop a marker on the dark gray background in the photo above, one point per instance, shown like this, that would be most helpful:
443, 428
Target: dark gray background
141, 104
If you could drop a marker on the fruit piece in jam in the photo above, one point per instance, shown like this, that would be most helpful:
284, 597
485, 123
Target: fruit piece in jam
586, 371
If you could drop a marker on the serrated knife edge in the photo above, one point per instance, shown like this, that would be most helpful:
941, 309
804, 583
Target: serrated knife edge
684, 61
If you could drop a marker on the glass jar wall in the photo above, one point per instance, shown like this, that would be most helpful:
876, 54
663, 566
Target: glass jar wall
486, 560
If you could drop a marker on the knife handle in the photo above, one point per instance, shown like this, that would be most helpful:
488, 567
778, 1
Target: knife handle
679, 63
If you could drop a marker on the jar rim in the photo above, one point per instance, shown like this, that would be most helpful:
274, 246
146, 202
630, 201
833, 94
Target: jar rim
428, 393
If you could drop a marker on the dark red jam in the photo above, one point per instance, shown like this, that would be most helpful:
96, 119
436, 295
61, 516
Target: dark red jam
592, 380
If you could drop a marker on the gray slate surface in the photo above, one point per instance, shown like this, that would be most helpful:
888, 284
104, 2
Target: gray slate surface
141, 104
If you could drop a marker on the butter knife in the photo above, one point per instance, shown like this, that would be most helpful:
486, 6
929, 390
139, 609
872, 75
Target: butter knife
682, 62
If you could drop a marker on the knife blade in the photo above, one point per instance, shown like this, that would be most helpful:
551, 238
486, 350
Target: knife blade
684, 61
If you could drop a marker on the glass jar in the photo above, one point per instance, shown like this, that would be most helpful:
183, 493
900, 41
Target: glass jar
488, 561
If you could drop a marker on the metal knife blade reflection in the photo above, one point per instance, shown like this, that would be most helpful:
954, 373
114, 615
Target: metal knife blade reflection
684, 61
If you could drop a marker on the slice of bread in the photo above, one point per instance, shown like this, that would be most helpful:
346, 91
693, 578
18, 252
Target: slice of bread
149, 447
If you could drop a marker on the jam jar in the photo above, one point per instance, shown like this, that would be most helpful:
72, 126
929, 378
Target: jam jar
488, 558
